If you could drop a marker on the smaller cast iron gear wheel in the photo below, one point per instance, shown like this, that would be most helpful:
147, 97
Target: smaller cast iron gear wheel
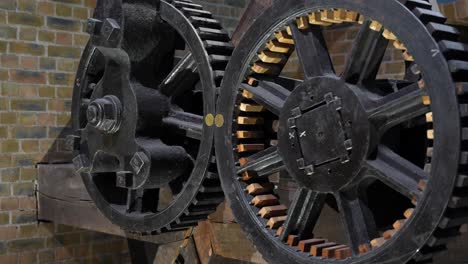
386, 157
143, 109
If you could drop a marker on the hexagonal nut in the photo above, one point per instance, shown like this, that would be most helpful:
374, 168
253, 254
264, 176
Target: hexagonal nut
111, 30
93, 26
139, 161
81, 163
124, 179
72, 142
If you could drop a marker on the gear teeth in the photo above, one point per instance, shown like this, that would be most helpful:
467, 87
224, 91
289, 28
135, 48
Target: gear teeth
275, 46
459, 69
250, 120
218, 47
302, 22
272, 57
196, 12
398, 45
378, 242
182, 4
376, 26
249, 134
212, 34
253, 108
265, 68
317, 250
329, 17
315, 18
219, 62
454, 50
387, 235
336, 252
442, 31
250, 147
276, 222
462, 181
389, 35
265, 200
273, 211
418, 3
454, 218
284, 37
426, 16
260, 188
205, 22
292, 240
306, 245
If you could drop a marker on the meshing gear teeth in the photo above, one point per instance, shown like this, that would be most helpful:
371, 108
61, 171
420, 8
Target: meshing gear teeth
250, 135
215, 42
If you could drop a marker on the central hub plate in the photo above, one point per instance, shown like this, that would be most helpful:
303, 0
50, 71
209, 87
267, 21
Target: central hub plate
324, 134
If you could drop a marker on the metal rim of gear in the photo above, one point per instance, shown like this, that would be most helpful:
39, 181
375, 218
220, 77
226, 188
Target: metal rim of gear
440, 201
210, 45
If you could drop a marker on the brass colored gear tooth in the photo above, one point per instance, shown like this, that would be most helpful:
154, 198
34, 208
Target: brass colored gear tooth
398, 45
407, 56
243, 120
429, 117
364, 248
306, 245
408, 213
339, 15
252, 81
293, 240
265, 68
243, 161
315, 18
389, 35
399, 224
426, 100
343, 253
430, 134
422, 185
253, 108
428, 167
250, 147
361, 19
317, 250
375, 25
273, 211
352, 16
302, 22
284, 37
378, 242
387, 235
246, 94
276, 222
429, 152
249, 134
258, 189
289, 31
274, 142
265, 200
272, 57
275, 46
247, 176
279, 231
329, 16
331, 251
421, 84
275, 126
414, 200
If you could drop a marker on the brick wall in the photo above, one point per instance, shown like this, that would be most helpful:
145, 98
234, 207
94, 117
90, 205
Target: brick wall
40, 45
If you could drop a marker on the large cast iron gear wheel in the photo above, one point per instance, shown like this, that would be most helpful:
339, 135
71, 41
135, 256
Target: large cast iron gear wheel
143, 113
387, 156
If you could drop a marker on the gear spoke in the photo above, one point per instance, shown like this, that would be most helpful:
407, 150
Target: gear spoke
303, 214
397, 108
183, 77
367, 54
397, 172
263, 163
269, 94
191, 125
312, 51
357, 219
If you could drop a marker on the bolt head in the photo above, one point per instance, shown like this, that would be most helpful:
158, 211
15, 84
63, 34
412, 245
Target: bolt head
93, 114
111, 30
93, 25
139, 161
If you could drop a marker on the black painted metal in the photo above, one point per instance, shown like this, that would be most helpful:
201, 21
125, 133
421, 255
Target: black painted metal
365, 154
143, 89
